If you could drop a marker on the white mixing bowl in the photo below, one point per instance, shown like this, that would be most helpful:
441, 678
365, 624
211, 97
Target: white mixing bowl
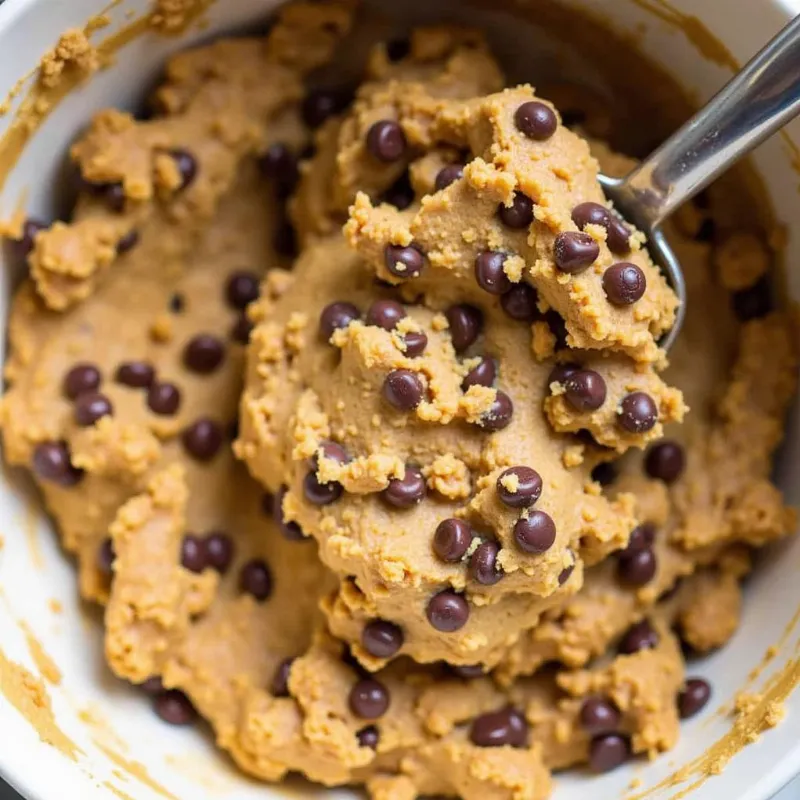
126, 751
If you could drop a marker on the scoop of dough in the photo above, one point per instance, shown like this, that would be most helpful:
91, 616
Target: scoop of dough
520, 196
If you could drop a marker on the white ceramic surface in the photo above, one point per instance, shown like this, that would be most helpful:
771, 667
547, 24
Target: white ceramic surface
33, 571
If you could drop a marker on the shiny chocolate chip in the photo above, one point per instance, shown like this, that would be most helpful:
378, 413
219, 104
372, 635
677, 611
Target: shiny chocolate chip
81, 379
499, 728
452, 539
447, 611
381, 638
386, 141
407, 491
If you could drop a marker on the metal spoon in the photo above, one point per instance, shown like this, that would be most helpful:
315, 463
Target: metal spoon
762, 98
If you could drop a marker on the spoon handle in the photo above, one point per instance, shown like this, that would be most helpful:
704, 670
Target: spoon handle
759, 100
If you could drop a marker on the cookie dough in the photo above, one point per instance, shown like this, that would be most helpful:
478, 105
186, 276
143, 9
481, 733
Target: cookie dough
449, 504
299, 627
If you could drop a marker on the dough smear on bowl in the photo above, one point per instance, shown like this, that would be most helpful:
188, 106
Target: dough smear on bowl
465, 555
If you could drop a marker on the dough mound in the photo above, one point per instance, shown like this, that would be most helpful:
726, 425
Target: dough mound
291, 607
309, 386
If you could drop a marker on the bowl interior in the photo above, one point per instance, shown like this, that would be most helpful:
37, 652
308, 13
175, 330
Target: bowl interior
125, 750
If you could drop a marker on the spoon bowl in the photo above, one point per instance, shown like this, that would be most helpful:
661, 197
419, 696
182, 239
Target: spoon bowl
758, 101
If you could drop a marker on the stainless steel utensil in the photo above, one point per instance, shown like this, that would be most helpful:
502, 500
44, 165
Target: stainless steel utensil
762, 98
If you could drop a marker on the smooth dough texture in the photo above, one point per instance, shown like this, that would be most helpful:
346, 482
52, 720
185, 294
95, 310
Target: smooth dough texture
267, 639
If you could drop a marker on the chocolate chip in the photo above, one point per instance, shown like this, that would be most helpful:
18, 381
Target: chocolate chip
127, 242
499, 414
585, 390
536, 120
617, 233
91, 407
483, 564
51, 462
574, 251
194, 556
135, 374
519, 214
624, 283
406, 491
203, 439
219, 551
599, 715
637, 567
489, 272
466, 323
403, 262
483, 373
203, 353
447, 611
561, 372
753, 302
566, 573
368, 737
82, 378
401, 193
105, 558
241, 329
280, 680
535, 533
498, 728
467, 672
241, 289
447, 175
519, 302
24, 245
164, 398
177, 303
608, 751
386, 141
640, 636
321, 494
256, 579
335, 316
590, 214
113, 195
397, 49
187, 166
289, 530
385, 314
403, 389
280, 164
174, 707
452, 539
332, 451
665, 461
641, 538
693, 698
604, 473
369, 699
618, 236
152, 686
381, 639
321, 104
638, 413
526, 491
415, 343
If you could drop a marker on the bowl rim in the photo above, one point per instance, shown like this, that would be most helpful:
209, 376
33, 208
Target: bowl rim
37, 784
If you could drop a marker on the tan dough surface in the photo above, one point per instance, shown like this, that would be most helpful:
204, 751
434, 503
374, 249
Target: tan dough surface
551, 636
